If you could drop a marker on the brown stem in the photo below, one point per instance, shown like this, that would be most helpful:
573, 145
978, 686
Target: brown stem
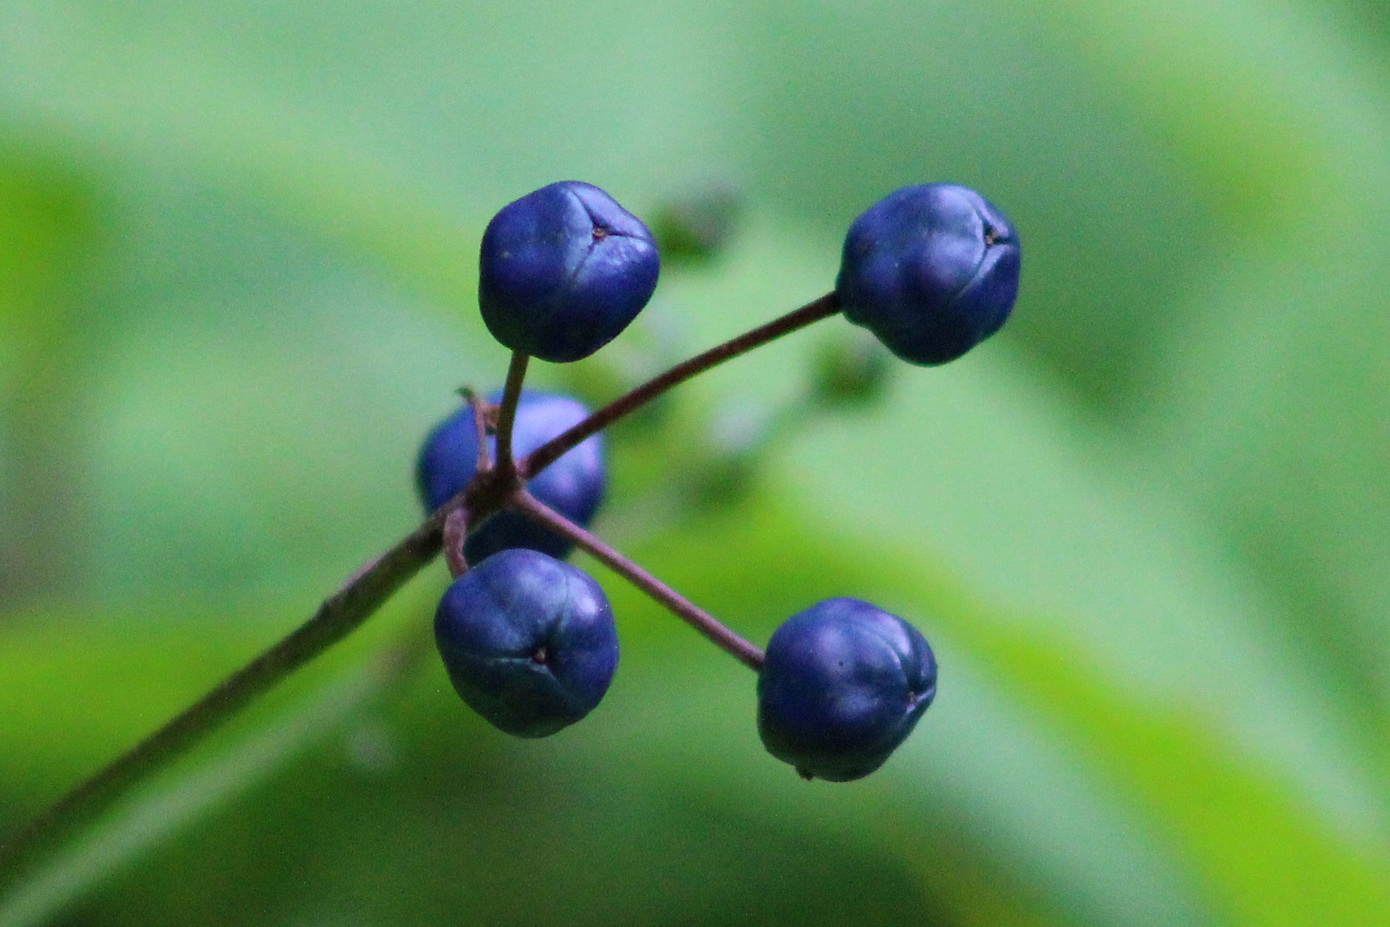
548, 453
479, 408
506, 416
340, 614
455, 534
687, 611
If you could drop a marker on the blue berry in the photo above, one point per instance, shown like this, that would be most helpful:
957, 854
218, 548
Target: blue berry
572, 485
528, 641
843, 684
931, 270
563, 270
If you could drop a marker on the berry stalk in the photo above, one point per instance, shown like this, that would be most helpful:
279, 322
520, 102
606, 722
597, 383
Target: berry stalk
455, 534
479, 410
506, 412
548, 453
731, 643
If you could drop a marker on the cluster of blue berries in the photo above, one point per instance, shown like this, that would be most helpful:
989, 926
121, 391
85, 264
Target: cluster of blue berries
529, 641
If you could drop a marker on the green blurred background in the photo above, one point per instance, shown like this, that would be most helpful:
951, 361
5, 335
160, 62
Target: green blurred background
1145, 527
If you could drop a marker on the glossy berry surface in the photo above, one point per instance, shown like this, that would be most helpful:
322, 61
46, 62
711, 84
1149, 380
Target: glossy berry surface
528, 641
931, 270
844, 682
563, 270
573, 485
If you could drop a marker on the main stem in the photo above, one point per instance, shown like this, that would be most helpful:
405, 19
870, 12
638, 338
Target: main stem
701, 620
548, 453
340, 614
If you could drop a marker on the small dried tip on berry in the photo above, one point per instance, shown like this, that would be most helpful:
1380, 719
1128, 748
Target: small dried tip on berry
491, 416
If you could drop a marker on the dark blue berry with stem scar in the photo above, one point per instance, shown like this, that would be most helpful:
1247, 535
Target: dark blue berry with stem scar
931, 270
528, 641
843, 683
563, 270
573, 485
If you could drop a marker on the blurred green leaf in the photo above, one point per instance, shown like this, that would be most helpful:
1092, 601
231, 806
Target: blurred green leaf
1143, 527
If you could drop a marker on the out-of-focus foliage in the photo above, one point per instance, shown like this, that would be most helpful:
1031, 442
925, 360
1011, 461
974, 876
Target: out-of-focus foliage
1144, 527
